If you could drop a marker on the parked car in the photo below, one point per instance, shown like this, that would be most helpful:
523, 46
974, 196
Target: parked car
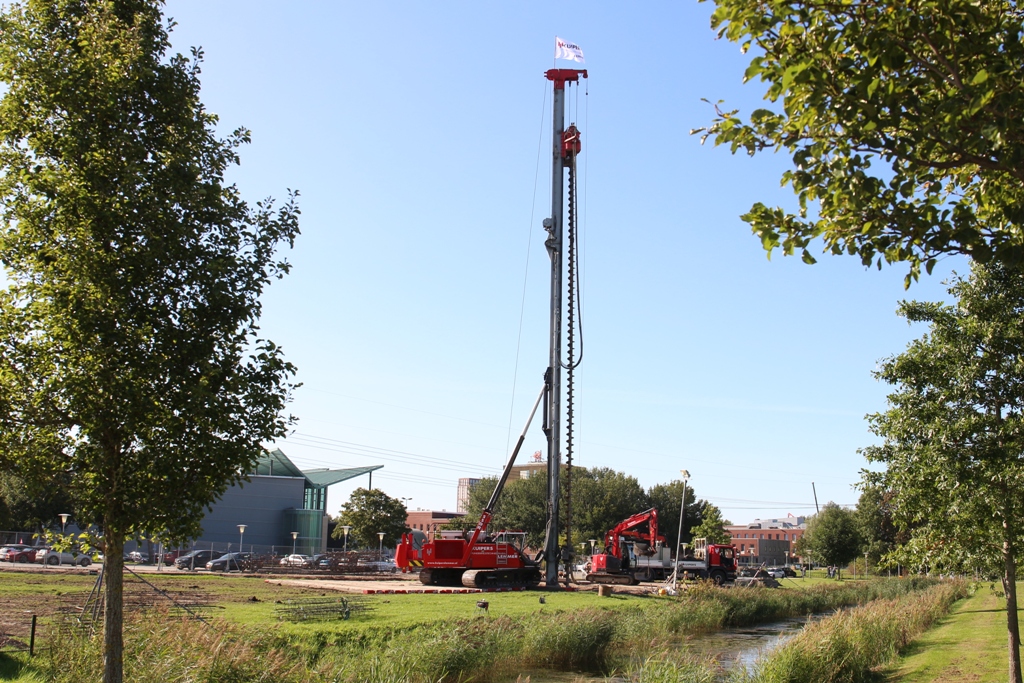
777, 573
229, 562
22, 554
196, 559
296, 560
6, 550
50, 556
323, 561
171, 556
378, 566
136, 556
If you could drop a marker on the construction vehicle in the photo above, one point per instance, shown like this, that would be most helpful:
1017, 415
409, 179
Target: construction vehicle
705, 560
629, 551
479, 561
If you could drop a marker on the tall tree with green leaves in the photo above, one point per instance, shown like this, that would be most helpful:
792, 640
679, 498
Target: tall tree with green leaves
953, 435
879, 534
712, 525
602, 497
902, 119
666, 499
832, 536
370, 512
130, 361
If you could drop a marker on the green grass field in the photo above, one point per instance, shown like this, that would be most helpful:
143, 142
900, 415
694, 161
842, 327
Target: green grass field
419, 628
967, 646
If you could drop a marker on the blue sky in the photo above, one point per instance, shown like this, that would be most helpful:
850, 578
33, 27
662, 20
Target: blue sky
415, 133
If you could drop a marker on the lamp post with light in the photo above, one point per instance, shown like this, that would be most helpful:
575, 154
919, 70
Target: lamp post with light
380, 549
346, 529
679, 536
295, 536
241, 535
63, 525
592, 541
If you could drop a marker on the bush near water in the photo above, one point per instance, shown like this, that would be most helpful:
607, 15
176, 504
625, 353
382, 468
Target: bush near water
479, 649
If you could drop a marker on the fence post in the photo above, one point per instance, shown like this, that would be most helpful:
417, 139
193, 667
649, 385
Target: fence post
32, 638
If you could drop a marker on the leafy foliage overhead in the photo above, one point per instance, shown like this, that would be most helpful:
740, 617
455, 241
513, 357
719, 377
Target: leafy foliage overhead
902, 120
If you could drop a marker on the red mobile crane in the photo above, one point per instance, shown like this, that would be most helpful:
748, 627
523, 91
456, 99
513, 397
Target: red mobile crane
622, 542
479, 561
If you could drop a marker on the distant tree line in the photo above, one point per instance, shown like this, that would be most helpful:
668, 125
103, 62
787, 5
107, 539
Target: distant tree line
601, 498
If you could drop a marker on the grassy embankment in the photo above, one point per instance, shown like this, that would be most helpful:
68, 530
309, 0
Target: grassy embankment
436, 637
968, 645
845, 648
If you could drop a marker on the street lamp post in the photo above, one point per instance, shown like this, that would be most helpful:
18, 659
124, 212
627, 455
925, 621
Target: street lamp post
346, 529
592, 541
380, 550
679, 536
63, 525
241, 534
295, 536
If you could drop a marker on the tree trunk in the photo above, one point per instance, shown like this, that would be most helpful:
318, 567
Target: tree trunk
1010, 590
113, 611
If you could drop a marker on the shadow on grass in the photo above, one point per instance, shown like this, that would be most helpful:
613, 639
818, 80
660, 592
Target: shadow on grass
14, 667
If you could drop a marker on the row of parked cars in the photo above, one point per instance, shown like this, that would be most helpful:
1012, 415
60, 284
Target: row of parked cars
211, 560
329, 562
19, 552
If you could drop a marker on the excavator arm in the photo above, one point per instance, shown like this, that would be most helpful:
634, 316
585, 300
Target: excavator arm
627, 528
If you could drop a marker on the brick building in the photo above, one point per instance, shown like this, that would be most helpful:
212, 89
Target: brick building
429, 520
767, 540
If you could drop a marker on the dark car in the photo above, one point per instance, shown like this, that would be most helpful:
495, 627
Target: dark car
196, 559
229, 562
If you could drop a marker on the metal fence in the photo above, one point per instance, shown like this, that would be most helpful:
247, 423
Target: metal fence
18, 634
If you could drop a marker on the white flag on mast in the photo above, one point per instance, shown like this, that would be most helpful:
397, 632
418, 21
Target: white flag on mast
566, 50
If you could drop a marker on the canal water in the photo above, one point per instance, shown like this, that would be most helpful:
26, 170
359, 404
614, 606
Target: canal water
731, 647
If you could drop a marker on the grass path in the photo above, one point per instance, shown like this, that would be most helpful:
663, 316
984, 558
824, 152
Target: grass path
969, 646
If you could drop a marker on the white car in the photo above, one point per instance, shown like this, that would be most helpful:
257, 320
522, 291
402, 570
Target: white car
52, 557
776, 573
296, 561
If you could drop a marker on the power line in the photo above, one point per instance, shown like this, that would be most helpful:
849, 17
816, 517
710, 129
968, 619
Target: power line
383, 454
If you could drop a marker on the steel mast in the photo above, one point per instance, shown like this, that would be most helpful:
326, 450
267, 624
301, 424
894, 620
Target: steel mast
553, 378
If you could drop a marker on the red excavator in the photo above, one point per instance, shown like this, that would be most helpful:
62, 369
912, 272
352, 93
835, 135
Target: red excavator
623, 546
451, 559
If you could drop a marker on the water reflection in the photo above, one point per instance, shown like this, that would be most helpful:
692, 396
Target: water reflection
732, 647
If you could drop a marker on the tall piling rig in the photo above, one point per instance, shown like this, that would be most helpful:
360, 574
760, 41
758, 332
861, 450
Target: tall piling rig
480, 561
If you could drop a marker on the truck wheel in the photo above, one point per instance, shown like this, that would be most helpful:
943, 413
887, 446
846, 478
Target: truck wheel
718, 576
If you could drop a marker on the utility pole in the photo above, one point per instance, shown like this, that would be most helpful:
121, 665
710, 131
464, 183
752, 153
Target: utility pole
816, 510
553, 378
